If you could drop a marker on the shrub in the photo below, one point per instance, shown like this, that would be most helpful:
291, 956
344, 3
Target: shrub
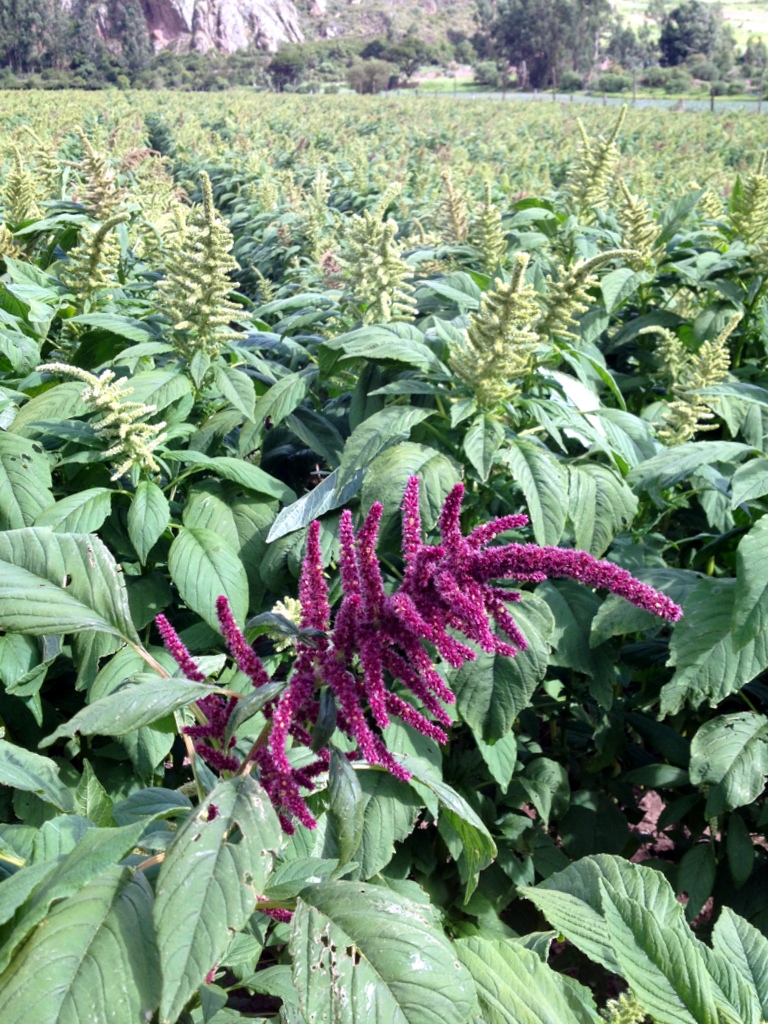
570, 81
613, 83
487, 73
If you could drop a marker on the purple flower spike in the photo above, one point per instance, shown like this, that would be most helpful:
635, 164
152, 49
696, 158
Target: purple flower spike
313, 590
411, 520
247, 660
178, 651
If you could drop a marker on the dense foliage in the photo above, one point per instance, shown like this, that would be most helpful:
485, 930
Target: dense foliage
289, 397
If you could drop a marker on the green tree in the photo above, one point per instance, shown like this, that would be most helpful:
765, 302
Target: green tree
130, 27
287, 67
691, 28
549, 36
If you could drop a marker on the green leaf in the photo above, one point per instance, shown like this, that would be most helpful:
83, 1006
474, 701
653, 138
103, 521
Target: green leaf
750, 609
492, 690
282, 398
749, 482
377, 343
708, 666
572, 901
600, 505
92, 800
544, 483
61, 402
237, 388
148, 517
94, 851
391, 808
618, 285
204, 567
238, 472
464, 831
134, 705
729, 760
25, 481
346, 805
675, 464
500, 758
740, 850
481, 442
159, 387
32, 773
53, 583
388, 474
375, 956
208, 883
17, 888
747, 949
82, 512
378, 432
695, 876
514, 986
151, 804
665, 970
93, 958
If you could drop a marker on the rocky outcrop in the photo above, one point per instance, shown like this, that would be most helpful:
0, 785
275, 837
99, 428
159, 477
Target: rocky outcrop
203, 25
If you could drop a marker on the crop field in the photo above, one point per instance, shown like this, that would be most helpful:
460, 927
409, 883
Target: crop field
383, 562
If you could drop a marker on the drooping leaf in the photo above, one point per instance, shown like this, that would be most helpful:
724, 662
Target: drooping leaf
681, 461
82, 512
481, 443
346, 805
600, 506
729, 760
515, 987
492, 690
148, 517
374, 434
750, 608
747, 949
662, 964
707, 664
94, 958
53, 583
25, 770
133, 706
544, 483
204, 568
208, 884
388, 474
376, 957
25, 481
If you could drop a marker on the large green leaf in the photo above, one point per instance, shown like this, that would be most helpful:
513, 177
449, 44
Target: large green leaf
464, 832
729, 760
390, 811
94, 851
134, 705
708, 665
664, 968
25, 481
94, 958
750, 481
600, 506
53, 583
346, 805
388, 474
481, 442
572, 901
213, 870
204, 568
148, 517
679, 462
746, 949
25, 770
544, 483
378, 432
492, 690
363, 954
238, 471
514, 986
750, 609
81, 512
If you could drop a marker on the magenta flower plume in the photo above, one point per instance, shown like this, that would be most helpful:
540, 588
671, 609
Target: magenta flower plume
177, 650
374, 660
247, 660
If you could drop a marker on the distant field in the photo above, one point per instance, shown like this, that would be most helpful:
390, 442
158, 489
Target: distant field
748, 17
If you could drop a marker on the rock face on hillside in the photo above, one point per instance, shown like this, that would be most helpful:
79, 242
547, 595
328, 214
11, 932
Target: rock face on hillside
226, 25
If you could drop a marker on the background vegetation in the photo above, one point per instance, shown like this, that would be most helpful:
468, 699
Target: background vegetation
220, 326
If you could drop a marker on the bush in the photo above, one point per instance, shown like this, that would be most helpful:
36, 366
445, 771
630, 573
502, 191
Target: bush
613, 83
705, 70
736, 88
487, 73
678, 81
672, 80
570, 81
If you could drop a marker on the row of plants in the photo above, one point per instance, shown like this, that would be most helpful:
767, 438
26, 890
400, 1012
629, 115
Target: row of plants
383, 578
